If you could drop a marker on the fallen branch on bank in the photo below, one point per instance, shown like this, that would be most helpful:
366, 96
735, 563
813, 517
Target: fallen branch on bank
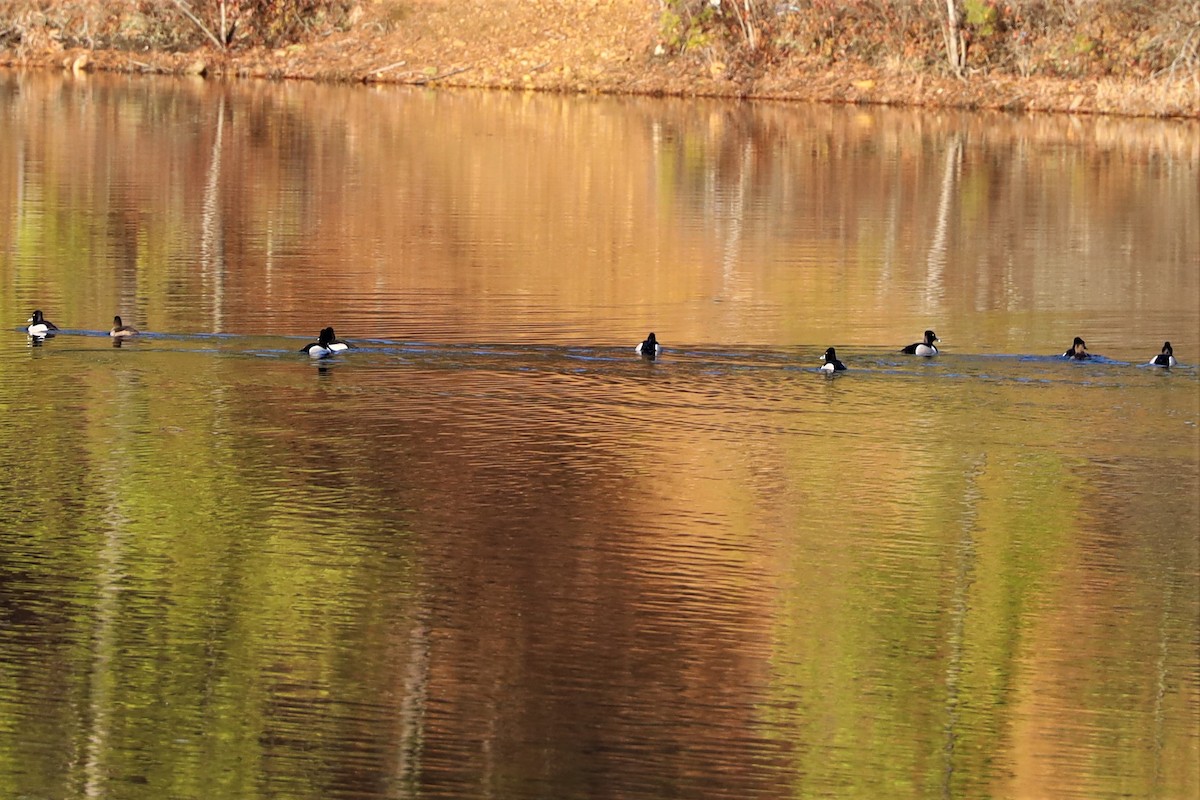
424, 80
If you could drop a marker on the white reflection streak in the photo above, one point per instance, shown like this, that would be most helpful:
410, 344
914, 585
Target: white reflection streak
412, 713
20, 183
890, 237
656, 151
212, 242
736, 212
935, 265
107, 580
1161, 690
959, 608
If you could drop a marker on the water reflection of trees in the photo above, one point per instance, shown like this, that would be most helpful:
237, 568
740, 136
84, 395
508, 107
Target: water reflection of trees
965, 205
1003, 195
992, 207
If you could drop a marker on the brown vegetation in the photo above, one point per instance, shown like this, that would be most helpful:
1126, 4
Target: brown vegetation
1138, 57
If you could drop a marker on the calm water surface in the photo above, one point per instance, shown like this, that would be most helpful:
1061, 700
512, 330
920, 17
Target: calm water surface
490, 553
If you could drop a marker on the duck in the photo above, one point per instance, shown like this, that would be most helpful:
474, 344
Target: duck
650, 348
335, 344
324, 345
40, 326
119, 330
831, 362
1166, 358
1077, 350
925, 348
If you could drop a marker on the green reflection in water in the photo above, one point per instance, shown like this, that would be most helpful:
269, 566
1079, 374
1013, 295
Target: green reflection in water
490, 554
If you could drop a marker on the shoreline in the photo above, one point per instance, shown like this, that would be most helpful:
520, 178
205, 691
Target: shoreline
869, 86
612, 47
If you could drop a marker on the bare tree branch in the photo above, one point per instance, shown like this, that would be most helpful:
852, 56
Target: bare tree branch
183, 6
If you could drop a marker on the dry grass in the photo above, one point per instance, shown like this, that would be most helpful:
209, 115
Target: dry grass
1140, 57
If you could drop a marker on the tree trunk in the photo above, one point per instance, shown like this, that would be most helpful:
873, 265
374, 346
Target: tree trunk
956, 45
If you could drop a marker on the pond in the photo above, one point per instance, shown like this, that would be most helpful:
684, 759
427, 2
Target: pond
492, 552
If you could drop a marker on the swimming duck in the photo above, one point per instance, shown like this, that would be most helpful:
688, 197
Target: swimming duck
119, 330
925, 348
1166, 358
831, 362
40, 326
335, 344
1077, 350
324, 345
650, 348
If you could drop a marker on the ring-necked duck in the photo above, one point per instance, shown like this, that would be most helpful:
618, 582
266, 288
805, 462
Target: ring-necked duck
831, 362
1166, 358
39, 325
649, 348
119, 330
336, 344
1077, 350
326, 344
925, 348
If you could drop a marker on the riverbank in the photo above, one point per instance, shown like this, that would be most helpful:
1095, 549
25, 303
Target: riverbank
605, 46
